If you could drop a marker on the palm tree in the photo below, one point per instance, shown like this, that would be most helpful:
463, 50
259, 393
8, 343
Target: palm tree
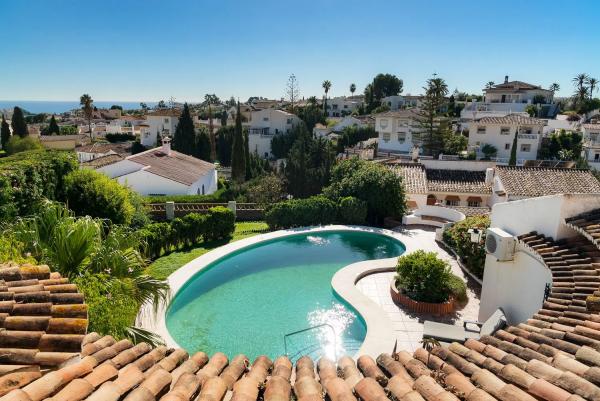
580, 94
438, 87
86, 103
580, 80
429, 344
489, 85
554, 87
593, 85
326, 86
352, 89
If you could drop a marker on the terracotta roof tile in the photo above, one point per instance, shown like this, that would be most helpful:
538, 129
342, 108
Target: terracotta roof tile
413, 177
532, 181
460, 181
511, 119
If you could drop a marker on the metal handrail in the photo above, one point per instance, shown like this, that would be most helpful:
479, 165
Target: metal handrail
308, 329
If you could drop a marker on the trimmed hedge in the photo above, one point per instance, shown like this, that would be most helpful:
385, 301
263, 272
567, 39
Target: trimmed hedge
317, 210
458, 238
91, 193
217, 224
29, 177
222, 195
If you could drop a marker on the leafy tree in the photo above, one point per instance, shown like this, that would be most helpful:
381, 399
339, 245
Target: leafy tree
562, 145
4, 133
454, 143
375, 184
471, 253
143, 106
386, 85
352, 89
224, 145
184, 139
116, 107
211, 99
326, 87
53, 128
554, 88
19, 126
161, 104
429, 119
531, 110
87, 105
311, 114
238, 153
16, 144
266, 189
231, 102
354, 134
489, 150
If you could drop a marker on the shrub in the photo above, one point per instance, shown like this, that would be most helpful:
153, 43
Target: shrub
375, 184
316, 210
459, 239
353, 210
424, 277
157, 237
124, 137
29, 177
88, 192
220, 196
17, 144
458, 288
219, 224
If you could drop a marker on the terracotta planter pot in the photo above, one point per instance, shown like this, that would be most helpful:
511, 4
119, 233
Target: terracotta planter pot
439, 309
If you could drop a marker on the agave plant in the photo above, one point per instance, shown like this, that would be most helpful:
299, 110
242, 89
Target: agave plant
80, 246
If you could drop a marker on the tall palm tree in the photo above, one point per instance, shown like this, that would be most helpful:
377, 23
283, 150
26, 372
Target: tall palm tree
352, 89
326, 86
580, 94
593, 85
580, 80
489, 85
86, 103
554, 87
438, 87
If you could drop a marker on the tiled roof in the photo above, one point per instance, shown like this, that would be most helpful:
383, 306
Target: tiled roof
511, 119
461, 181
174, 166
165, 113
43, 321
102, 161
471, 211
122, 148
530, 182
403, 113
591, 126
413, 177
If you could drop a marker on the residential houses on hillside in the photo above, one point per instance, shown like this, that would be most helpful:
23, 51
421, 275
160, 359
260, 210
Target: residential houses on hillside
398, 131
343, 106
591, 144
162, 122
264, 125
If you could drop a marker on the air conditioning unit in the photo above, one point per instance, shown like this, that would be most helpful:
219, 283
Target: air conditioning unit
500, 244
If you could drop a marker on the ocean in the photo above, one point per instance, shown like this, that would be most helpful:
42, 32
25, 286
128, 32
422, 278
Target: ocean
59, 106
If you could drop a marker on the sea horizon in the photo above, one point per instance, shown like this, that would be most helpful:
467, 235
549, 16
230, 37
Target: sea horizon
62, 106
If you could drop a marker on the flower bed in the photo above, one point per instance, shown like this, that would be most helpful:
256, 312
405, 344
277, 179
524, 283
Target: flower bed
439, 309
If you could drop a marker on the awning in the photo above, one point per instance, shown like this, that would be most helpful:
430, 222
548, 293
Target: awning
474, 199
452, 198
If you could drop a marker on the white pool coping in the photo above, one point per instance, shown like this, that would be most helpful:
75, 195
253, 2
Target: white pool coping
380, 336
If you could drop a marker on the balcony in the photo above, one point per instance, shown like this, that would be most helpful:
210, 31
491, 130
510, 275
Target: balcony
528, 136
259, 131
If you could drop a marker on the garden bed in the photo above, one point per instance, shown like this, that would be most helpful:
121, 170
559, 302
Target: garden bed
439, 309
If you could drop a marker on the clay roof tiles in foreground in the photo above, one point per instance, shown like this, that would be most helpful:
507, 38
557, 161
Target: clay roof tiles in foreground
413, 177
533, 181
511, 119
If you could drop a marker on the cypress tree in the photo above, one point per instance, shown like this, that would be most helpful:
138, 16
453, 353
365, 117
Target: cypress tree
513, 150
18, 123
53, 128
4, 133
184, 139
247, 155
238, 152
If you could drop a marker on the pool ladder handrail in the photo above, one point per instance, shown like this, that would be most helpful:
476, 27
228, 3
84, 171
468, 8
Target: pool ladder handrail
308, 329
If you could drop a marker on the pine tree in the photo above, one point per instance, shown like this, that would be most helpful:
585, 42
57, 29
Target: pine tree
184, 139
53, 128
431, 124
238, 152
4, 133
513, 150
19, 126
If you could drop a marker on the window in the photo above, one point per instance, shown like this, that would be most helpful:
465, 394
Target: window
386, 136
481, 130
345, 106
166, 120
505, 131
507, 146
452, 202
401, 138
526, 147
289, 120
265, 118
527, 131
474, 203
383, 123
335, 107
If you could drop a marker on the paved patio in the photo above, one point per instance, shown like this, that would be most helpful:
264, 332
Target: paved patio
408, 325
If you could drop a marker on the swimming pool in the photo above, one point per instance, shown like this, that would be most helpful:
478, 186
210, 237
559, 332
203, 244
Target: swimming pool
248, 300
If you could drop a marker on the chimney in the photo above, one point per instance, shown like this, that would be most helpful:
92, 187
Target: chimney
489, 176
166, 146
506, 79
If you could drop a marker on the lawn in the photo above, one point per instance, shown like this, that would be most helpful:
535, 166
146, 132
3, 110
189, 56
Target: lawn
162, 267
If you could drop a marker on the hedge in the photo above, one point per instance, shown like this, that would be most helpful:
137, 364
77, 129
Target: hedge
353, 210
217, 224
88, 192
27, 178
317, 210
222, 195
459, 239
123, 137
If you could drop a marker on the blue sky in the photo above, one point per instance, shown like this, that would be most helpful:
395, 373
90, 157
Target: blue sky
151, 50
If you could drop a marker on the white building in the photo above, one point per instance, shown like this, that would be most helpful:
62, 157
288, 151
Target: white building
161, 171
398, 102
342, 106
499, 132
398, 131
591, 144
160, 123
264, 125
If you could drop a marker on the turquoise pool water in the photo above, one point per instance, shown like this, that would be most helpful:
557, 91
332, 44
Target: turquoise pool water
247, 301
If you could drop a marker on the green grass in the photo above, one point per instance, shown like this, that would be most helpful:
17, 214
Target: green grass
162, 267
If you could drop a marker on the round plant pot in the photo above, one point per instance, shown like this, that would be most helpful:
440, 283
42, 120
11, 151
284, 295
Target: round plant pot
438, 309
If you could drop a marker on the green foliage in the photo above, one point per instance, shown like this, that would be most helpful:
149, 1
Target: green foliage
184, 139
458, 288
122, 137
238, 152
19, 126
11, 249
316, 210
513, 150
489, 150
17, 144
219, 224
223, 194
381, 109
378, 186
531, 110
454, 143
562, 145
354, 134
311, 114
424, 277
282, 144
68, 130
265, 190
4, 133
137, 147
386, 85
88, 192
433, 125
53, 128
28, 177
353, 210
458, 238
224, 145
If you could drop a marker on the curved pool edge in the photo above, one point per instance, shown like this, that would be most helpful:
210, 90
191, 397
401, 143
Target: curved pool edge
373, 316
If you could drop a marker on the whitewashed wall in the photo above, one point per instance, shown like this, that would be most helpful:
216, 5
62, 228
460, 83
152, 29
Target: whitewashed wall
146, 183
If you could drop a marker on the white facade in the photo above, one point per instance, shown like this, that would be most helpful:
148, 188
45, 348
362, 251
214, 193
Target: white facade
516, 92
146, 183
398, 102
264, 125
342, 106
398, 131
591, 144
500, 133
159, 123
